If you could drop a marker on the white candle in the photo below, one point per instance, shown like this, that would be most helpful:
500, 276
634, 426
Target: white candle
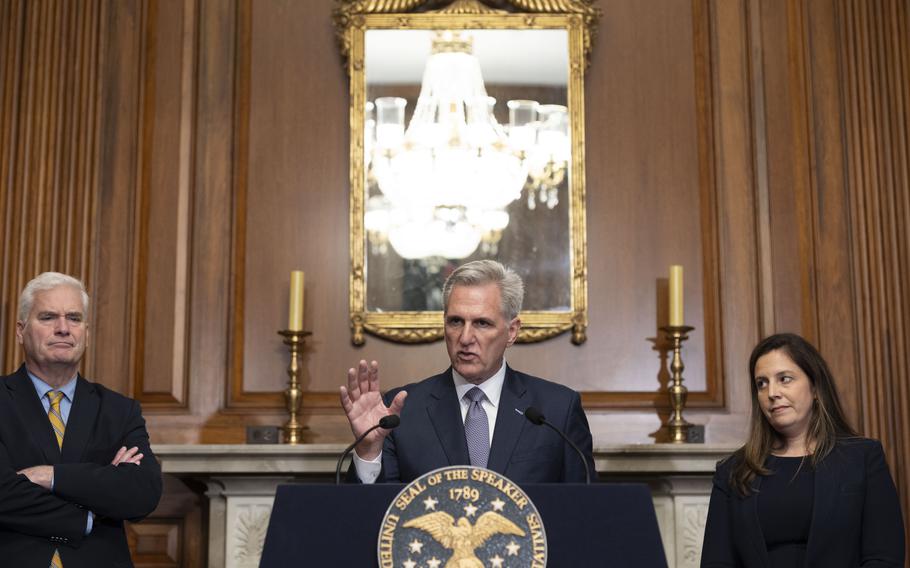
676, 295
295, 308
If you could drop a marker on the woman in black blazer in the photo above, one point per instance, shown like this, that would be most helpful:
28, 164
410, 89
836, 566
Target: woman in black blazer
805, 490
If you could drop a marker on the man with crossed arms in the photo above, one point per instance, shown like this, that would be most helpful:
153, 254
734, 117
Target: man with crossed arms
75, 460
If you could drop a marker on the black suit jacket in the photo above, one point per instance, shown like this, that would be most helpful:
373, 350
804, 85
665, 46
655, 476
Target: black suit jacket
856, 516
33, 521
431, 434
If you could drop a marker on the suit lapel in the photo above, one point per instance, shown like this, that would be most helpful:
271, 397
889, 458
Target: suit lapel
444, 412
33, 415
824, 505
509, 423
752, 523
80, 421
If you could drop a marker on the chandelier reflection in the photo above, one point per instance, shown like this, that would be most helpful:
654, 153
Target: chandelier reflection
445, 181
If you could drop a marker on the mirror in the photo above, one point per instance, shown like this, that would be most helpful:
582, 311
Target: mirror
466, 143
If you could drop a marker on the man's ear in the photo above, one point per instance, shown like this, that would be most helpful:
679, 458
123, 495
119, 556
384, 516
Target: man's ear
514, 326
20, 329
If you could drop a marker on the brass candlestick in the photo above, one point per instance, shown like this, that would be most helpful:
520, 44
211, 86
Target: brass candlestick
679, 428
293, 429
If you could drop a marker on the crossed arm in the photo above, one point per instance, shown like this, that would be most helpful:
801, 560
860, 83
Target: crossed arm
128, 487
123, 491
29, 508
43, 475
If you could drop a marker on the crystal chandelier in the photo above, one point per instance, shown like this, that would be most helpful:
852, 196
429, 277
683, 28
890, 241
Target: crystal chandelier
446, 180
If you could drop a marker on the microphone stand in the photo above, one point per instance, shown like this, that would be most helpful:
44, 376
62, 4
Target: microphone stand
388, 422
537, 418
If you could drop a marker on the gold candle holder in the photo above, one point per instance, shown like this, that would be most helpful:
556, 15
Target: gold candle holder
293, 396
679, 428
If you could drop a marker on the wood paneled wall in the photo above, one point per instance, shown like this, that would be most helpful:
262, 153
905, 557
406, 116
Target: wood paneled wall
68, 174
220, 165
183, 156
832, 94
874, 59
49, 142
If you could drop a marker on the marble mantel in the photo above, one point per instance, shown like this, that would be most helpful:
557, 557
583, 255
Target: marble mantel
320, 459
241, 481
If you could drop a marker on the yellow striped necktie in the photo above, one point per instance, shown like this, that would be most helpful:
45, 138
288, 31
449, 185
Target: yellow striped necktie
56, 418
53, 414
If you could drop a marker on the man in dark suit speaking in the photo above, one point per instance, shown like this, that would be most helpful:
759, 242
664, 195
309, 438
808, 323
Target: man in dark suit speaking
472, 412
75, 460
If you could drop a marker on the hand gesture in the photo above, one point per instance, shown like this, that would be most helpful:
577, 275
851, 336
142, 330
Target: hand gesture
363, 405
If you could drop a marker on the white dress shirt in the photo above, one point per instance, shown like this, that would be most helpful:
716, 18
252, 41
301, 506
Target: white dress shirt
368, 470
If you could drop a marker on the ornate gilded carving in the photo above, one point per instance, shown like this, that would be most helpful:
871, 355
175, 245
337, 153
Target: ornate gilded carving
427, 335
406, 335
579, 328
357, 329
469, 7
349, 14
535, 334
579, 18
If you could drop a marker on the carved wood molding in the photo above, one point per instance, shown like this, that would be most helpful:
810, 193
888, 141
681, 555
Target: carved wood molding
155, 311
237, 395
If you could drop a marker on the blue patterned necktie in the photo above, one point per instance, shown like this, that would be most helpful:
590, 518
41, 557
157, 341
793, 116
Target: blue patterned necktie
477, 429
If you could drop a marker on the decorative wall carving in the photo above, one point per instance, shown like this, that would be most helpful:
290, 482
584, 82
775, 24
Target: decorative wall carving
692, 512
247, 524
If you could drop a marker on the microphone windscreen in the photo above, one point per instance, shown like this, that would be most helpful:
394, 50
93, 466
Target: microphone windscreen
535, 416
389, 422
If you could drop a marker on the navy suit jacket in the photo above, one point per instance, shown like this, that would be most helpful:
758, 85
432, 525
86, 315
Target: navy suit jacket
33, 521
856, 516
431, 434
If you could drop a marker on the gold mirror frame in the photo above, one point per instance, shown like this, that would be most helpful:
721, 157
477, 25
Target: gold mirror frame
579, 18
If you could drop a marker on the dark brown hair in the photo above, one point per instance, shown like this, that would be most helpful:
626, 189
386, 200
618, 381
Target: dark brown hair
826, 425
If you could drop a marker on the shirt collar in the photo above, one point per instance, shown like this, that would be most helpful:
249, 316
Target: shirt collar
491, 387
68, 390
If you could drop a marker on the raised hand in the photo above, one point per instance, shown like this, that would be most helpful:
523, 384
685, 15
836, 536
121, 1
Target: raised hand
363, 405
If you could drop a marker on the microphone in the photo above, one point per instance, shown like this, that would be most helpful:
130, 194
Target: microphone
537, 418
388, 422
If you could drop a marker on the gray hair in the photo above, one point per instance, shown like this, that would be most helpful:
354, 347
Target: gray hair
44, 282
478, 272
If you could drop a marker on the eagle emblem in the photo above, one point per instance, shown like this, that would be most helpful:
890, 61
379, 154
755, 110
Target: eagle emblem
462, 517
461, 537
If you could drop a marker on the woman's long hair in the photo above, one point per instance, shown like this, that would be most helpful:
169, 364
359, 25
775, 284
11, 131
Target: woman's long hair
826, 425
